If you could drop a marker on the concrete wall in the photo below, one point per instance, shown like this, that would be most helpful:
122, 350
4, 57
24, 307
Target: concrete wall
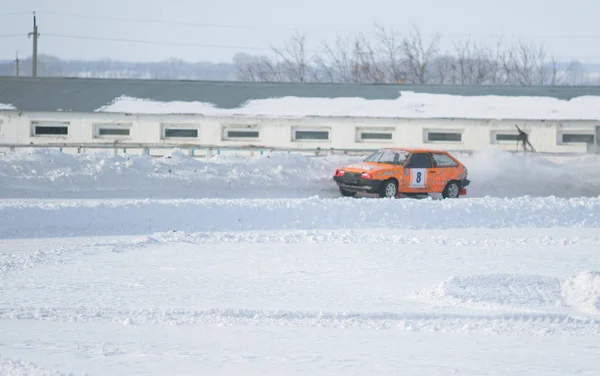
343, 132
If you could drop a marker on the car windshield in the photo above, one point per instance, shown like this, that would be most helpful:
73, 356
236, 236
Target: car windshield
388, 157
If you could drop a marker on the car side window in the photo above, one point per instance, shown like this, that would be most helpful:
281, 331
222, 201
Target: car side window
442, 160
419, 160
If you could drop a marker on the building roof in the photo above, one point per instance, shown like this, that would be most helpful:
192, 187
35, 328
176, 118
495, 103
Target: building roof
90, 94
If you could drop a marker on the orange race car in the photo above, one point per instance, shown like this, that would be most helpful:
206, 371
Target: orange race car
404, 172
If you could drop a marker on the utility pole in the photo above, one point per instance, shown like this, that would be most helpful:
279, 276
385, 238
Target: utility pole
17, 61
34, 56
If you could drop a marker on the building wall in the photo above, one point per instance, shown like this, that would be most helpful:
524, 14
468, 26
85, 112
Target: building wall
342, 132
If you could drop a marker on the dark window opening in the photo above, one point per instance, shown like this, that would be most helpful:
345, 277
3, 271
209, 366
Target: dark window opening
375, 136
578, 138
312, 135
242, 134
443, 136
175, 133
52, 131
113, 132
507, 137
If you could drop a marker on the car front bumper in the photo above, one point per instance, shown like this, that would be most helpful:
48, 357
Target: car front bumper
357, 184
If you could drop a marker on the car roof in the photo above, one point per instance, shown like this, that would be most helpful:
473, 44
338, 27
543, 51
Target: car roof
416, 150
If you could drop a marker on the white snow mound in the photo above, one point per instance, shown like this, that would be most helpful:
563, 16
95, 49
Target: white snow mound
10, 367
583, 291
495, 290
407, 105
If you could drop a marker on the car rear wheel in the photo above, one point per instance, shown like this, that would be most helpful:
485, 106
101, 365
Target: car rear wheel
389, 189
452, 190
346, 193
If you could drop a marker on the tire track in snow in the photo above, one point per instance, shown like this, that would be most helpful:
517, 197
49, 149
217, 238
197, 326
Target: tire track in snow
353, 237
15, 262
521, 323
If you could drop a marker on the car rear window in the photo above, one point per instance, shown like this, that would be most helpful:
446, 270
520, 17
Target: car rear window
442, 160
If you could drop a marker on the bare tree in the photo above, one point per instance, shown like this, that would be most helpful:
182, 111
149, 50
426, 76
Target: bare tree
474, 64
350, 60
576, 73
556, 77
444, 68
391, 59
419, 54
256, 68
292, 60
335, 63
528, 64
388, 58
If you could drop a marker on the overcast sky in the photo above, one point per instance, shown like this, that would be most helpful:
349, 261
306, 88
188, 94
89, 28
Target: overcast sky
568, 28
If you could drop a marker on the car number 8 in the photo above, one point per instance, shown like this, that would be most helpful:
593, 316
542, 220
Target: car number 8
418, 177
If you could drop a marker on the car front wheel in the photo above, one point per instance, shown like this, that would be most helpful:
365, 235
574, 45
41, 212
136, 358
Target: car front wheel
389, 189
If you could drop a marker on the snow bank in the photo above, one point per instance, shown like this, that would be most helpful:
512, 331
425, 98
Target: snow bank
407, 105
581, 291
40, 173
10, 367
495, 290
48, 218
6, 106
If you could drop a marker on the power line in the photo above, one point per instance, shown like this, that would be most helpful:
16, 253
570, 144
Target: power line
155, 21
232, 26
13, 35
156, 42
217, 46
521, 36
13, 14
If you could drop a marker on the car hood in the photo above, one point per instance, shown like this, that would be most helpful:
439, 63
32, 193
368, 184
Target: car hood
367, 166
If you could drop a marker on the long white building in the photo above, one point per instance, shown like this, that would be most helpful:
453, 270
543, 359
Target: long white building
296, 116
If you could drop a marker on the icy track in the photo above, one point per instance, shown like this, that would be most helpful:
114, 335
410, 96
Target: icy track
256, 266
51, 174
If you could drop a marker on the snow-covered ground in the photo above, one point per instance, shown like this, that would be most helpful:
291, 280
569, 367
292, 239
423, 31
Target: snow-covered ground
408, 105
236, 265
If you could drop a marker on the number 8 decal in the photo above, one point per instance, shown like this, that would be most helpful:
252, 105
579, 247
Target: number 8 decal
418, 177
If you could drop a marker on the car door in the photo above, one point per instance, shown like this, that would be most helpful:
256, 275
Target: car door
416, 173
434, 174
445, 170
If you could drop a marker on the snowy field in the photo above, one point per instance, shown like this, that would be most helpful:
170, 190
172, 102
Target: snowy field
113, 265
